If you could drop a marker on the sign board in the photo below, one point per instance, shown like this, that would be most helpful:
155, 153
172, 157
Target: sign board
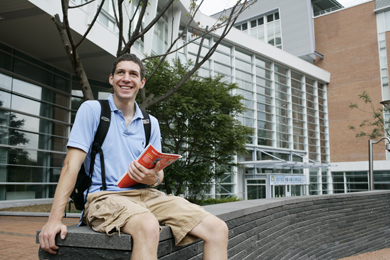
287, 179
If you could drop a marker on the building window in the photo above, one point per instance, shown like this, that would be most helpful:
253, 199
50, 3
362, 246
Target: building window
244, 79
160, 40
225, 186
34, 126
256, 189
282, 98
269, 32
107, 16
298, 111
37, 106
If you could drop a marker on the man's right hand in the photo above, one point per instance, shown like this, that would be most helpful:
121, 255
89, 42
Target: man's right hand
48, 234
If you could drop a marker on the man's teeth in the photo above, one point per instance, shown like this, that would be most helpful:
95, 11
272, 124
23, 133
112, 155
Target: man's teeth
125, 87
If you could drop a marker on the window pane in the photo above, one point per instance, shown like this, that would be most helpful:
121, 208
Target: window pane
270, 18
5, 81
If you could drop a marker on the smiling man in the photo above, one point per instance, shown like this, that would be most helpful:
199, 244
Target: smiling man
140, 209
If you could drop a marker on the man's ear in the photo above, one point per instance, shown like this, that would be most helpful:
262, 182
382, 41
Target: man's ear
143, 81
110, 79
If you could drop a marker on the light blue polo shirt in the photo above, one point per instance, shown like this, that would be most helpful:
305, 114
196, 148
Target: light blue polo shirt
121, 146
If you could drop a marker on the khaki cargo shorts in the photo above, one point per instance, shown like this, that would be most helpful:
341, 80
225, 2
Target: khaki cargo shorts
108, 211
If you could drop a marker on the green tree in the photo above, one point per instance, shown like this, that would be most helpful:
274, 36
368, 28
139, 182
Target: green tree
374, 127
199, 123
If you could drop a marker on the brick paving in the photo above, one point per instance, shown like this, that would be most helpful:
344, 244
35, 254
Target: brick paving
383, 254
17, 236
17, 239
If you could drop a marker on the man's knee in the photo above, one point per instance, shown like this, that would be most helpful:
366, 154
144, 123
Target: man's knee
220, 228
143, 225
214, 229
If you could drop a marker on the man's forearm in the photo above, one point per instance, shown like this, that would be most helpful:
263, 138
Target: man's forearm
64, 189
68, 176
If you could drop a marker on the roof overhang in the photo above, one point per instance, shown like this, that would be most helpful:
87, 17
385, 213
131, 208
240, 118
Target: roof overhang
283, 164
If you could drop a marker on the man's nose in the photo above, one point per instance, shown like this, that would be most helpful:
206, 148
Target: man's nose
126, 77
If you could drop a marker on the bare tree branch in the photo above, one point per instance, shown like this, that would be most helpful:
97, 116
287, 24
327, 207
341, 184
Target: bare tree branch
91, 25
217, 25
200, 48
119, 22
139, 30
65, 4
163, 57
230, 22
137, 34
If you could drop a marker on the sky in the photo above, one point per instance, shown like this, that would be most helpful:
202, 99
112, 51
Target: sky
210, 7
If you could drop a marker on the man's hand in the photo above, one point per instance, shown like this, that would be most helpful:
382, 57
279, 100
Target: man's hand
143, 175
48, 234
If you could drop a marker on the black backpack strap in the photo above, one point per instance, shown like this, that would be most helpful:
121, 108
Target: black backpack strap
101, 132
147, 126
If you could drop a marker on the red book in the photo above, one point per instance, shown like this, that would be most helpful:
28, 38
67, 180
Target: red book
148, 158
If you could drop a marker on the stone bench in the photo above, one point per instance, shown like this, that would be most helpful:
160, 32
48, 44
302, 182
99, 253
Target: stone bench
309, 227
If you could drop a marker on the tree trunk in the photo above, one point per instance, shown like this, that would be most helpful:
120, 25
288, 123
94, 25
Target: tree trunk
74, 59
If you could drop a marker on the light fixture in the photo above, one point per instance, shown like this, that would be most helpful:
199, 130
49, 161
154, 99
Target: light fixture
386, 104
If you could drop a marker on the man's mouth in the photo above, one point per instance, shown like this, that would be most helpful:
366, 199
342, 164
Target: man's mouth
124, 87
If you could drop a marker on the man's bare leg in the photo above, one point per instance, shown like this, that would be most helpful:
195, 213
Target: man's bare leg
215, 234
145, 232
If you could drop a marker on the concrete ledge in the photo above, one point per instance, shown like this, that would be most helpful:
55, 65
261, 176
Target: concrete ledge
35, 214
310, 227
22, 203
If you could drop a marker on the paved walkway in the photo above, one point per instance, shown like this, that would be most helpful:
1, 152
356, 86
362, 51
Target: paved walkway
17, 236
383, 254
17, 239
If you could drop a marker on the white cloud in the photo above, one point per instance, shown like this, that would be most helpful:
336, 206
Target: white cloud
210, 7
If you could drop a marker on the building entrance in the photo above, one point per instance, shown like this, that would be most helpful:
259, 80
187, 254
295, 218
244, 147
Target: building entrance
275, 186
278, 191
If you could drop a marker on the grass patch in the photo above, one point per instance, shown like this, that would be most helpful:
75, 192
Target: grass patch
206, 202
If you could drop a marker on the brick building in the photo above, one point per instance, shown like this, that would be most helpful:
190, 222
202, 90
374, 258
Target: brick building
354, 44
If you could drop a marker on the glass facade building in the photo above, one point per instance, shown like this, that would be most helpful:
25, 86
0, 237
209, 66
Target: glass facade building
285, 97
37, 106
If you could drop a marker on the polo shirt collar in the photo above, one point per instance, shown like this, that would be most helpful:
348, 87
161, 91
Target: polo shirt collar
138, 113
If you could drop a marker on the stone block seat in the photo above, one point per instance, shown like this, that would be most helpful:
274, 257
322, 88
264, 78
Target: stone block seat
308, 227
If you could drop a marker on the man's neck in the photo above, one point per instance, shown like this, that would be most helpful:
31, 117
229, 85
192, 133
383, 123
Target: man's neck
127, 107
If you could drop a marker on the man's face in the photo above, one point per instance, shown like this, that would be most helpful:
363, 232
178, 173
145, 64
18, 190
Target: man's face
126, 80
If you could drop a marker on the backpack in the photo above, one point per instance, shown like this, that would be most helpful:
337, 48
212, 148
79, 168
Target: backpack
84, 181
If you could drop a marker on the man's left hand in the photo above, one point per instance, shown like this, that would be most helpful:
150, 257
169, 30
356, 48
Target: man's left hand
143, 175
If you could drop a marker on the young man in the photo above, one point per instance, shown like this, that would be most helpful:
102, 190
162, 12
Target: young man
138, 210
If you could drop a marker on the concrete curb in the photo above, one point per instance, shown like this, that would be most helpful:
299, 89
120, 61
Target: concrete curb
35, 214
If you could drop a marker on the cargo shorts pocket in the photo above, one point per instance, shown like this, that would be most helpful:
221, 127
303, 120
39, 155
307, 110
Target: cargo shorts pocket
106, 216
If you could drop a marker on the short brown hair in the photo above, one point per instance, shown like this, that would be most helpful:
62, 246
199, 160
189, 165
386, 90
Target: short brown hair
129, 57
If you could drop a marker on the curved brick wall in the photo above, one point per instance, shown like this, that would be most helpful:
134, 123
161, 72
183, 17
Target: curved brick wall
310, 227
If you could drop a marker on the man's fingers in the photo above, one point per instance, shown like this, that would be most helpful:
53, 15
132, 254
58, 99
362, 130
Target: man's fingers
64, 231
52, 242
157, 167
47, 238
48, 243
135, 173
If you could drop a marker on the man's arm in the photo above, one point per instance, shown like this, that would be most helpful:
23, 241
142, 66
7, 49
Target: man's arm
73, 160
